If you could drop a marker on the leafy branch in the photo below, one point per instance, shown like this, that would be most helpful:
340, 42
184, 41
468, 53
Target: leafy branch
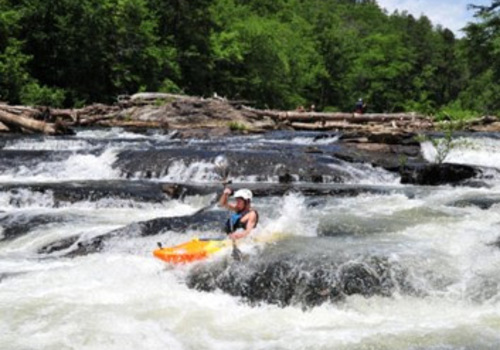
447, 143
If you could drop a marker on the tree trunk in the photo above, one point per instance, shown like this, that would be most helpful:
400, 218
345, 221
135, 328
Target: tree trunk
4, 128
30, 124
323, 117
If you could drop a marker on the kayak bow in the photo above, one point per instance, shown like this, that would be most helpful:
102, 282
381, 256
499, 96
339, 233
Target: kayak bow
193, 250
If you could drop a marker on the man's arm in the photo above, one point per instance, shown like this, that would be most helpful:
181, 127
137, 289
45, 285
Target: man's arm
223, 199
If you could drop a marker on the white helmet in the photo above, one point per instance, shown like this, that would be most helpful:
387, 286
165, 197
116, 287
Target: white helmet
243, 193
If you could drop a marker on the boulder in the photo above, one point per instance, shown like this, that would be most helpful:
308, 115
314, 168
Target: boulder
437, 174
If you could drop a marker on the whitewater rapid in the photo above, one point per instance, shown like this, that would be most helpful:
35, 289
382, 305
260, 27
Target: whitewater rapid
123, 298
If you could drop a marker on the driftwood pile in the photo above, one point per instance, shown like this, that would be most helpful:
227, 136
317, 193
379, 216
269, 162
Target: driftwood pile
318, 121
179, 112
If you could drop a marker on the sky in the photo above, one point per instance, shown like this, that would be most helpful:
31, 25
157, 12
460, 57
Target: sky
451, 14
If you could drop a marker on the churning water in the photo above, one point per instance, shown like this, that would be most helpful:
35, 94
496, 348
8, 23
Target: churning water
407, 268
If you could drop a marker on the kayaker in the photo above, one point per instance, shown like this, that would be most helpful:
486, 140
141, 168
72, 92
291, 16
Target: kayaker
245, 219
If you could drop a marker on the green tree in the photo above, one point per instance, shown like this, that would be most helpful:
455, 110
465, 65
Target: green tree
93, 49
13, 62
186, 25
381, 72
270, 60
481, 48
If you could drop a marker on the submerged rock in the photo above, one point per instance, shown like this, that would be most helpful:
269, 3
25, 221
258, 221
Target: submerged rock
258, 165
200, 221
306, 283
480, 202
13, 226
76, 191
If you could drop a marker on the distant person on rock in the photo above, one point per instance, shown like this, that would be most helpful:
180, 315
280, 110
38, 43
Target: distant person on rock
360, 107
245, 219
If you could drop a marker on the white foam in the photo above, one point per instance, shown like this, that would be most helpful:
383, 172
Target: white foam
364, 173
306, 141
473, 151
290, 217
111, 133
76, 167
25, 198
196, 172
49, 144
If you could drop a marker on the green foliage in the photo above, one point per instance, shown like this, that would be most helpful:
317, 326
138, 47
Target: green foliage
33, 94
278, 54
236, 126
403, 161
447, 143
169, 86
455, 112
13, 71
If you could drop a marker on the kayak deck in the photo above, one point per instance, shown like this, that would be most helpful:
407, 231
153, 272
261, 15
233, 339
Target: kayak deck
193, 250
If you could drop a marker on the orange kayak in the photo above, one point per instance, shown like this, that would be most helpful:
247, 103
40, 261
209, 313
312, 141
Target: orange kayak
194, 250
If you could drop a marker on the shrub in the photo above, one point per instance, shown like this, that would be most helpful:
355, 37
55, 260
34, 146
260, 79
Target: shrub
33, 94
236, 126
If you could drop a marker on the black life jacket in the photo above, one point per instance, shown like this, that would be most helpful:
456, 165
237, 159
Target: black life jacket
234, 222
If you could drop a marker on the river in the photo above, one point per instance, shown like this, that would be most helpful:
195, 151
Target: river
409, 267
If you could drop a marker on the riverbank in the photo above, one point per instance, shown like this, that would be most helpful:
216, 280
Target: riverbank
195, 116
388, 141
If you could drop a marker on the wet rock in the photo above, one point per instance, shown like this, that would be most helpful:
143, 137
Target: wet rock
438, 174
483, 288
496, 243
11, 159
394, 138
92, 191
358, 278
198, 164
312, 149
183, 190
387, 156
13, 226
58, 245
6, 275
480, 202
201, 221
307, 283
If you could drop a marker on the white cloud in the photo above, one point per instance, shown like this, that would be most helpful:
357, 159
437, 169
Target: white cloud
452, 14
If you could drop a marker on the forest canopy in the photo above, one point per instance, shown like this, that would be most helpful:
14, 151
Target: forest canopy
272, 53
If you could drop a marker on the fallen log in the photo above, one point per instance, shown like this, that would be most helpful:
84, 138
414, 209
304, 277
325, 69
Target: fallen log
349, 118
133, 124
323, 117
93, 120
325, 126
66, 114
19, 110
3, 127
486, 120
394, 125
26, 123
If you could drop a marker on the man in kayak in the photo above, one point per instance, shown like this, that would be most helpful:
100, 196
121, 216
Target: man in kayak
245, 219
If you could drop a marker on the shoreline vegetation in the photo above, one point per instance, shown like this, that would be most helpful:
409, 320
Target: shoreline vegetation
277, 54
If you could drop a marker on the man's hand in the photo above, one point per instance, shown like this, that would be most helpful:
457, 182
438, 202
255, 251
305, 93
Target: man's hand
224, 198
